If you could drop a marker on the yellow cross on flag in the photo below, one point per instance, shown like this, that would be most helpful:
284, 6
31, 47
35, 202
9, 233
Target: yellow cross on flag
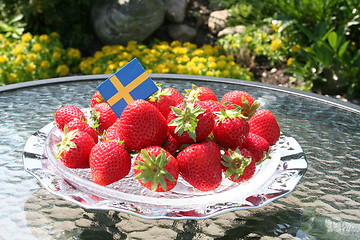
128, 84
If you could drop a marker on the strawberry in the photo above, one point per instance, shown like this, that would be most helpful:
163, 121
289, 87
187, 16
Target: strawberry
231, 129
175, 94
163, 99
103, 117
238, 166
83, 126
66, 114
74, 148
96, 99
213, 106
112, 132
109, 162
242, 99
172, 145
264, 124
142, 125
200, 93
189, 122
200, 165
257, 145
156, 169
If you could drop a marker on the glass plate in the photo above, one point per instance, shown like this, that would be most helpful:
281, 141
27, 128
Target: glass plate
274, 178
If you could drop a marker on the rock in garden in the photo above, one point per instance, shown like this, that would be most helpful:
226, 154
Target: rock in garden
175, 10
181, 32
119, 21
217, 20
231, 30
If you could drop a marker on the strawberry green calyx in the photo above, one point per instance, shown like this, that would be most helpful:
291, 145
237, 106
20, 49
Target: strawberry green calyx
186, 120
249, 110
235, 163
193, 93
229, 113
93, 120
153, 169
67, 141
157, 95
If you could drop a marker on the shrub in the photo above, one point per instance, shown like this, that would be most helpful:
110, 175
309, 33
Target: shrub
35, 57
164, 57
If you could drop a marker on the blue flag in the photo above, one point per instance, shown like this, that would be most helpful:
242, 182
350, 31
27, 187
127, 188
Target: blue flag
128, 84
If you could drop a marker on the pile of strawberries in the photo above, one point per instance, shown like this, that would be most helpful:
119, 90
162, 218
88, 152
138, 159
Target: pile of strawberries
194, 136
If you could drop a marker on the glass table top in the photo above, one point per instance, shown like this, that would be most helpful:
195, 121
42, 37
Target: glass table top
324, 205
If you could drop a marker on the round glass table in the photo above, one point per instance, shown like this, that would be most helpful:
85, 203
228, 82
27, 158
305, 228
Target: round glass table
324, 205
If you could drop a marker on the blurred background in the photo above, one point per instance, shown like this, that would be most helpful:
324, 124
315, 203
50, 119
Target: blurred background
311, 45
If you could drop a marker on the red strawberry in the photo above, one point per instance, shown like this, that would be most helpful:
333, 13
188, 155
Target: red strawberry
109, 162
112, 132
213, 106
66, 114
230, 129
264, 124
189, 122
242, 99
103, 117
96, 99
172, 145
175, 94
74, 149
163, 99
200, 165
238, 166
156, 169
142, 125
82, 126
201, 94
257, 145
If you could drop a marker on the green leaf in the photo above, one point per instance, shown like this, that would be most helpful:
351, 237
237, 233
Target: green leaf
333, 39
343, 48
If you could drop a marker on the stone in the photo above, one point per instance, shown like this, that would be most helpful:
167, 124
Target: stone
120, 21
231, 30
218, 20
181, 32
175, 10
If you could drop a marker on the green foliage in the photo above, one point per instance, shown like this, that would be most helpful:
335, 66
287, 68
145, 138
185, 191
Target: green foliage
35, 57
11, 21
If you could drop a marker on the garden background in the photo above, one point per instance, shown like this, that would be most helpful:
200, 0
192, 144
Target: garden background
312, 45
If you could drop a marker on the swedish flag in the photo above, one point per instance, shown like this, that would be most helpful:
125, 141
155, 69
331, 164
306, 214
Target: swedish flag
128, 84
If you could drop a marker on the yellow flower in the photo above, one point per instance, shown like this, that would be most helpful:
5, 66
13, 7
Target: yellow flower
175, 44
3, 59
30, 67
74, 53
248, 39
26, 37
19, 59
56, 55
209, 73
62, 70
37, 47
180, 50
263, 35
12, 77
275, 27
18, 49
96, 70
226, 73
275, 44
44, 38
212, 65
296, 48
32, 56
44, 64
221, 64
259, 48
290, 61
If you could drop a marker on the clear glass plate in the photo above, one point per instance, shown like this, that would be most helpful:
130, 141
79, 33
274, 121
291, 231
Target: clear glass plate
274, 178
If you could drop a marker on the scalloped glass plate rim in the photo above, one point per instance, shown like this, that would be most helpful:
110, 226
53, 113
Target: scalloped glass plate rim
62, 183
